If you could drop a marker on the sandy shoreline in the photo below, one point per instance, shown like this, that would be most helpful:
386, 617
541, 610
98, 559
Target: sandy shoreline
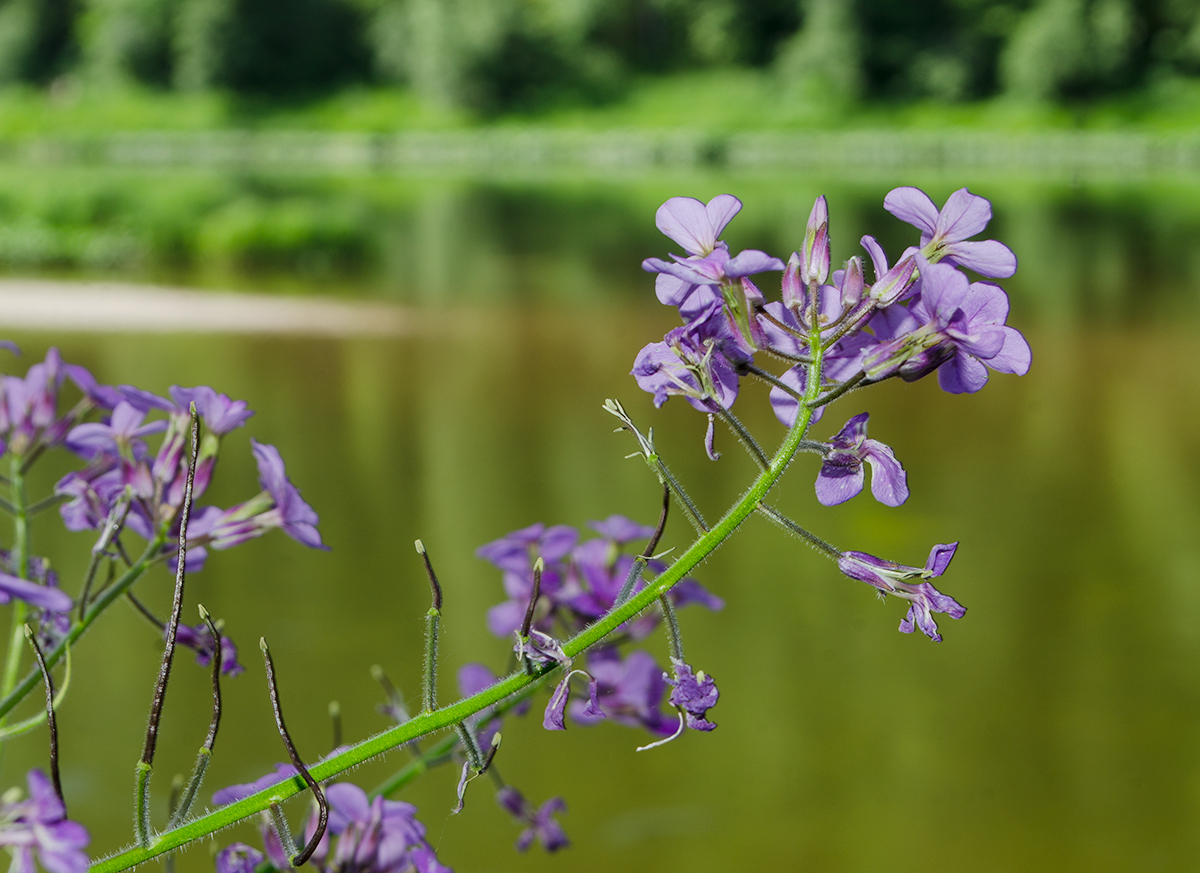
115, 307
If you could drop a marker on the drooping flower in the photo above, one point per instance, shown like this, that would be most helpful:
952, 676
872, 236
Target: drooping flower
552, 720
945, 233
693, 694
898, 580
296, 518
540, 824
278, 505
841, 475
38, 827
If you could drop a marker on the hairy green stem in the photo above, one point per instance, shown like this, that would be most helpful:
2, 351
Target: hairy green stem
448, 716
20, 560
99, 605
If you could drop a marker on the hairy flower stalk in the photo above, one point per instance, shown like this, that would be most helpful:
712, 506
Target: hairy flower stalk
836, 333
447, 716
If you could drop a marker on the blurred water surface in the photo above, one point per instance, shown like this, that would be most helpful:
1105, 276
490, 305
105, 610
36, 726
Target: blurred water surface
1053, 730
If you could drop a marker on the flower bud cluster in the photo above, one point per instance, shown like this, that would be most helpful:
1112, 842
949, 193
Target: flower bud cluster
919, 315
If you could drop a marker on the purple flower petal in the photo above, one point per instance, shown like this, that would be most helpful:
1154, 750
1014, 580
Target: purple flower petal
987, 257
912, 205
964, 215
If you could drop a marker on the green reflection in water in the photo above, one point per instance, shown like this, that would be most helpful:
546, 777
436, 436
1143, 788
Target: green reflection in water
1052, 730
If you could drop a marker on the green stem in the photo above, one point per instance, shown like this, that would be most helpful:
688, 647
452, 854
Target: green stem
448, 716
99, 605
20, 559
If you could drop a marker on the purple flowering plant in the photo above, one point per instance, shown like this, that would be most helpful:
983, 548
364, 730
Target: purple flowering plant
575, 606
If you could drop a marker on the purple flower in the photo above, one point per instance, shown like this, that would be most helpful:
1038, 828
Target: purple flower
556, 708
841, 476
944, 234
118, 436
517, 551
38, 826
219, 413
278, 505
540, 824
374, 835
691, 362
43, 596
515, 554
621, 530
29, 407
629, 691
951, 322
897, 579
694, 694
200, 639
696, 227
297, 518
239, 858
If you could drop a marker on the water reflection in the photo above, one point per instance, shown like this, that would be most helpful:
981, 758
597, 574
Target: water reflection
1052, 730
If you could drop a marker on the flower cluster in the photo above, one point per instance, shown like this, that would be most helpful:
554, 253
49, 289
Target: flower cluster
126, 485
119, 462
38, 827
580, 582
365, 835
837, 332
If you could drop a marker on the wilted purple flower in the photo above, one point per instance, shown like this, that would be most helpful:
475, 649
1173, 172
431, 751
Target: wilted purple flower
540, 823
944, 233
694, 694
841, 476
38, 826
896, 579
556, 708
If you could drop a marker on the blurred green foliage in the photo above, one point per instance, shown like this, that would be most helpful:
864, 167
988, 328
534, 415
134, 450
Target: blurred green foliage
491, 57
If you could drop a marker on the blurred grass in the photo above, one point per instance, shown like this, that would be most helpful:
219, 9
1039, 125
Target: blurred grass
718, 101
